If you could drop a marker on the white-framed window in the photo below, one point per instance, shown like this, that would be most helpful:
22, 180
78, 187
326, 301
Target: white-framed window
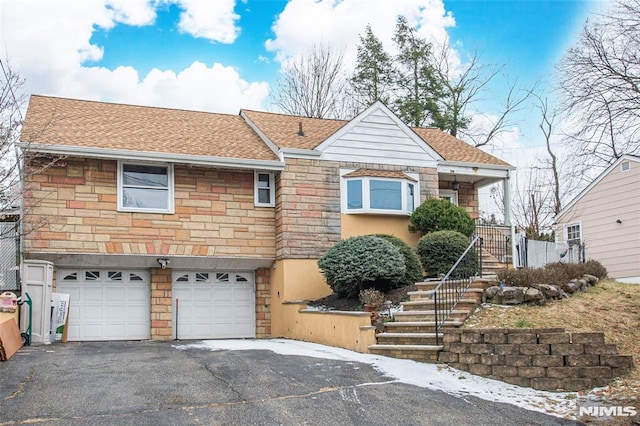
145, 187
381, 195
625, 166
573, 232
449, 195
264, 189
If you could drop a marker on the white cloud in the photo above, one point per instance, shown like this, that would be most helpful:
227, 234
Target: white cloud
212, 20
49, 44
132, 12
305, 22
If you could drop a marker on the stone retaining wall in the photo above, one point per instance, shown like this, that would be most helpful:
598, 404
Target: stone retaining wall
545, 359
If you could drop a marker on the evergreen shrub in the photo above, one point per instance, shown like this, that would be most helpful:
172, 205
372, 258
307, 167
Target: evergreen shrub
439, 251
356, 263
440, 215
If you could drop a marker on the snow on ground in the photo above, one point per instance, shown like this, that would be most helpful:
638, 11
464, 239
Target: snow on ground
429, 376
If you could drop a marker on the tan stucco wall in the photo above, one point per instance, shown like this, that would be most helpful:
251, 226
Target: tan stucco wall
73, 209
353, 225
349, 330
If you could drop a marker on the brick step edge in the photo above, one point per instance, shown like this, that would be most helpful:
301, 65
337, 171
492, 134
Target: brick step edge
423, 323
426, 348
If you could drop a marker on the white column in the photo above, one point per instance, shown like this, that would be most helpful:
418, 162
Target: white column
506, 189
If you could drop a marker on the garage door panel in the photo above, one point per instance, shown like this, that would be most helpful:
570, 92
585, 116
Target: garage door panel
214, 305
91, 294
223, 294
107, 305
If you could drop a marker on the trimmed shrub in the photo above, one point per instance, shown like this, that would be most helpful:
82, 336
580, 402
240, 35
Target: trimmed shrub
356, 263
411, 261
440, 215
439, 251
553, 273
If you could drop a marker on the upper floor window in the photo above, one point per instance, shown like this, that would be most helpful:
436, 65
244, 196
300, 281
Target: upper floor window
574, 232
372, 194
264, 189
625, 166
145, 187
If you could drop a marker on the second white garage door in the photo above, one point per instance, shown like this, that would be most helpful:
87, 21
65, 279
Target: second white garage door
214, 305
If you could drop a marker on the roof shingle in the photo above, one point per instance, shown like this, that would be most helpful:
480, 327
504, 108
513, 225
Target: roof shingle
90, 124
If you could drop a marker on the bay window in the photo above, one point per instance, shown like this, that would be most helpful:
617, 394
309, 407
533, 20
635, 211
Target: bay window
371, 194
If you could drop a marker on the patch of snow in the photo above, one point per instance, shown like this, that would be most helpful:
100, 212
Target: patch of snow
429, 376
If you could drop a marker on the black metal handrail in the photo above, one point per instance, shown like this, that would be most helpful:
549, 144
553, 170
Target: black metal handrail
450, 290
497, 240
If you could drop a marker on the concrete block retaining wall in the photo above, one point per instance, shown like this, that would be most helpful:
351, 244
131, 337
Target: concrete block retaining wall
545, 359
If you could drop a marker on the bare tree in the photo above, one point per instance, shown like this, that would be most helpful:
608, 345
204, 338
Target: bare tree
547, 123
314, 84
15, 178
515, 100
12, 100
462, 86
600, 86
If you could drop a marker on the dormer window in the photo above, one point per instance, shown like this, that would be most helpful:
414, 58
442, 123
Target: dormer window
379, 192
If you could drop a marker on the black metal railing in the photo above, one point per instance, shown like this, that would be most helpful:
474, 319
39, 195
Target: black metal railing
496, 239
456, 282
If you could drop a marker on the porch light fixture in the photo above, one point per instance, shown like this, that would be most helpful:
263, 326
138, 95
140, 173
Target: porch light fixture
456, 185
163, 263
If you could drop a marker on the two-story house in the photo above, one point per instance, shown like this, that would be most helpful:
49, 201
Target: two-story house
164, 223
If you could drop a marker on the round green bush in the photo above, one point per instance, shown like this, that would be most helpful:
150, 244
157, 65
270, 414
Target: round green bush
440, 215
356, 263
411, 261
438, 251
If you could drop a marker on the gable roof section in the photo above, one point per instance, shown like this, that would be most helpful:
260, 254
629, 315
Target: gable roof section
282, 130
455, 150
377, 135
595, 182
118, 130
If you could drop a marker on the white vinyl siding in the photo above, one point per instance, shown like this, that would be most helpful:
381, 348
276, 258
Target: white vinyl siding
378, 139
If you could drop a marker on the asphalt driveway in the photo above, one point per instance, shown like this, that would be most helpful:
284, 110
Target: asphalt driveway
154, 383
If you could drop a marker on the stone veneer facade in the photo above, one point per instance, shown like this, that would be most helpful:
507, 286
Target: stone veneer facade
73, 209
308, 204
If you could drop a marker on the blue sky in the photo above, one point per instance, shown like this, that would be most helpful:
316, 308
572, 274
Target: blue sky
224, 55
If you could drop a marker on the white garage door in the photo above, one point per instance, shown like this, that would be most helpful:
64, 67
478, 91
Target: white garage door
214, 305
107, 304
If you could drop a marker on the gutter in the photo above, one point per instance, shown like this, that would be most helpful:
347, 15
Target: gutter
75, 151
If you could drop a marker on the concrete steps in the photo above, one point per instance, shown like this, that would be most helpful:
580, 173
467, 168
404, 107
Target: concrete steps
412, 333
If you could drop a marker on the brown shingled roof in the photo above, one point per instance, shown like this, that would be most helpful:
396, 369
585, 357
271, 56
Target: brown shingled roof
454, 149
378, 173
283, 129
137, 128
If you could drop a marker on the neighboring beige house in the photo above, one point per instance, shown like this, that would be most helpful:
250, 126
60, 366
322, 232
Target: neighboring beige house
163, 222
605, 217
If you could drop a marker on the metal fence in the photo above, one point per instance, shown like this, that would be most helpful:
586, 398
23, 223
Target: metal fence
537, 254
496, 239
9, 257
